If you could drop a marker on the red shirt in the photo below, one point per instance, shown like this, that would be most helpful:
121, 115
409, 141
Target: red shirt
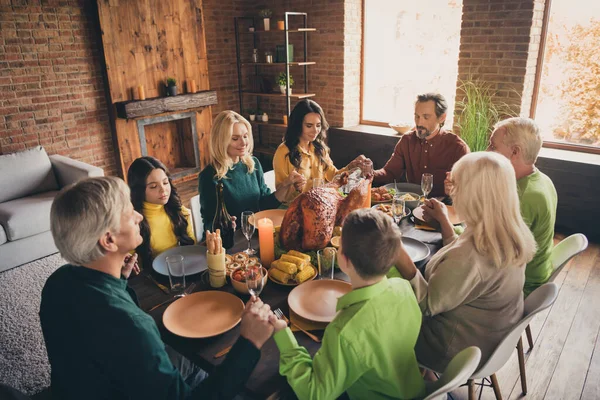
418, 156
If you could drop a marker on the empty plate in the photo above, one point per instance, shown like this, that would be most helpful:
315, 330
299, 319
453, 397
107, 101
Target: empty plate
194, 258
203, 314
316, 300
417, 250
275, 215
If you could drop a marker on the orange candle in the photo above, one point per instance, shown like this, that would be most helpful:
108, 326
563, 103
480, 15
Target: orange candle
193, 87
265, 241
141, 92
285, 119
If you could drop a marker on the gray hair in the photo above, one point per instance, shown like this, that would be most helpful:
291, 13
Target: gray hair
81, 213
523, 133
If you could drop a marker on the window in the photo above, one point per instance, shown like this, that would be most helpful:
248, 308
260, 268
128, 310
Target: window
410, 47
568, 98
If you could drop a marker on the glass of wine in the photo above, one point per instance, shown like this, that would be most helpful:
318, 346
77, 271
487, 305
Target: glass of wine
248, 230
255, 280
426, 184
398, 204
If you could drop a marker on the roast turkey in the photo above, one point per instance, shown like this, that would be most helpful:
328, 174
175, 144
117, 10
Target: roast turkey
309, 221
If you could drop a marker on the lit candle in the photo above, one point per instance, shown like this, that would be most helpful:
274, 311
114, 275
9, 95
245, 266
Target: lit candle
265, 241
285, 119
141, 93
193, 87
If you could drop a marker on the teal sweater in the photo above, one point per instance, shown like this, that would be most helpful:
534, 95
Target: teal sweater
101, 345
242, 191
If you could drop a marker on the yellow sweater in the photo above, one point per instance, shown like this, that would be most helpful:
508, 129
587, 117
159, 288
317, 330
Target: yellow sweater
162, 235
310, 167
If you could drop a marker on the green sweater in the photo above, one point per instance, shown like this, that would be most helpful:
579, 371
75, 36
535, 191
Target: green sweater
101, 345
242, 191
538, 207
368, 349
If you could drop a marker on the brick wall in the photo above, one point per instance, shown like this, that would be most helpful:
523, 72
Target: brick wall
51, 81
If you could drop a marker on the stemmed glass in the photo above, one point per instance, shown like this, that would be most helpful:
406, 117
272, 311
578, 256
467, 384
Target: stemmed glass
248, 230
398, 208
426, 184
255, 280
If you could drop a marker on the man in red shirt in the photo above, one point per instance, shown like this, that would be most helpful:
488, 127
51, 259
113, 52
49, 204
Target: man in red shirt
427, 149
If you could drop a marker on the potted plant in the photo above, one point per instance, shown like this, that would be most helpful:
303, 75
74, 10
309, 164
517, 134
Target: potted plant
265, 117
171, 87
265, 14
282, 82
251, 113
259, 114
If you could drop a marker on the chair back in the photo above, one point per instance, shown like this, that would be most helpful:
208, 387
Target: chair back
269, 177
460, 368
565, 251
197, 217
539, 300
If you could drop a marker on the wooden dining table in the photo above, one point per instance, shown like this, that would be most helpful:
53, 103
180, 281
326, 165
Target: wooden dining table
265, 380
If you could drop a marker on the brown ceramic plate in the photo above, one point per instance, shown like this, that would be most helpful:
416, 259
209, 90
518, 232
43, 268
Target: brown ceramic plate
455, 219
203, 314
274, 215
293, 283
316, 300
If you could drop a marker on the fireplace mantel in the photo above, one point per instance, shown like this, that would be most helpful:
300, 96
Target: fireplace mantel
145, 108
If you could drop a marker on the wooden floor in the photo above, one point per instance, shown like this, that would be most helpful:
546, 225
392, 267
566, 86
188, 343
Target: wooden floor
565, 360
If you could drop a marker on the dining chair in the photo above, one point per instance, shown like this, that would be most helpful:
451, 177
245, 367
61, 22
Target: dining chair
269, 177
460, 368
197, 217
560, 256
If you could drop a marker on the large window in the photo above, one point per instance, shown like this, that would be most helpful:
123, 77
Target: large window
568, 98
410, 47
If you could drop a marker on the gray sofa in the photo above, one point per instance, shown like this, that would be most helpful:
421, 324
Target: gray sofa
29, 181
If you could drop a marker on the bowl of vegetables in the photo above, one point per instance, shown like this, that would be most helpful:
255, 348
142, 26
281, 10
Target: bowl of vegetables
238, 279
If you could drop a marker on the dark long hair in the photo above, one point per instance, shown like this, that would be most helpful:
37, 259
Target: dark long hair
136, 178
294, 131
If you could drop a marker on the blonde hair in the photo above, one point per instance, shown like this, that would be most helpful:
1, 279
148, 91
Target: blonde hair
81, 213
220, 137
523, 133
485, 194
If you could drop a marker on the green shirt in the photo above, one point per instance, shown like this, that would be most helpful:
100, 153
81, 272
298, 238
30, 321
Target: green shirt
367, 351
538, 207
242, 192
101, 345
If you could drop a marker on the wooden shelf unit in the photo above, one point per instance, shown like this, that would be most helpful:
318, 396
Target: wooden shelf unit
294, 95
291, 64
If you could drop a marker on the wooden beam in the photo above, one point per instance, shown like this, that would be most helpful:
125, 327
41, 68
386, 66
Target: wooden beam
145, 108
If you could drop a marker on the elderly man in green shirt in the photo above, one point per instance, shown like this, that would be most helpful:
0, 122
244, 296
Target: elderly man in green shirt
519, 140
368, 349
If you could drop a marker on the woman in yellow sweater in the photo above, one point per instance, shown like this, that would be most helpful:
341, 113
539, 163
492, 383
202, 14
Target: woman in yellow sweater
166, 222
304, 150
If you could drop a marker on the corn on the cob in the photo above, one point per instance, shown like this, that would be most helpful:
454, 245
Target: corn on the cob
305, 274
279, 275
286, 267
295, 253
299, 262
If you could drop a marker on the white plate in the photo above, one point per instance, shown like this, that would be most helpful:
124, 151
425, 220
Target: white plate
417, 250
194, 258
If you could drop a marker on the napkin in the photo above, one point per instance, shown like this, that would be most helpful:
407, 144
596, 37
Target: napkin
305, 324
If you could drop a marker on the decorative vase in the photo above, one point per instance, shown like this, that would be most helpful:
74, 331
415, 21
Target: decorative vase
172, 90
252, 117
280, 25
259, 117
265, 117
282, 88
251, 29
267, 22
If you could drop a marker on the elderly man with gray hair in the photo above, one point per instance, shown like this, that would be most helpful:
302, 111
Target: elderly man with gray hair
519, 140
100, 344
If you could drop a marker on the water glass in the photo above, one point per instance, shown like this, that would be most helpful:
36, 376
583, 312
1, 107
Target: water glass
248, 230
317, 183
255, 280
426, 184
176, 267
398, 205
326, 260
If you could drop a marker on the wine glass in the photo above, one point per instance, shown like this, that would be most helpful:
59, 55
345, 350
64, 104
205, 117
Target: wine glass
255, 279
398, 204
248, 230
426, 184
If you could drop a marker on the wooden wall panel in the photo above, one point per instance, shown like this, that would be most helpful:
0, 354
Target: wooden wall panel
146, 41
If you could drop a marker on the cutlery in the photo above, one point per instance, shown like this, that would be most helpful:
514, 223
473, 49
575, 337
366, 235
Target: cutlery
185, 293
222, 352
279, 314
162, 287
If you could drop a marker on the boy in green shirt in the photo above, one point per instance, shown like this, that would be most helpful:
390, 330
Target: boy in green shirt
368, 349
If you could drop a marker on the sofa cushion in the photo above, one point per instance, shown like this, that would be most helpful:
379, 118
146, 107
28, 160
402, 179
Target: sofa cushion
25, 173
27, 216
3, 238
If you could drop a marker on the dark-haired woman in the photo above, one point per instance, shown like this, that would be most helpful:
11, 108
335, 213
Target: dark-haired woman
166, 222
304, 149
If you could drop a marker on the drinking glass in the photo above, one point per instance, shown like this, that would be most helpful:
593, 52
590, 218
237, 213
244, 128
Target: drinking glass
255, 280
326, 260
426, 184
318, 182
176, 268
398, 208
248, 230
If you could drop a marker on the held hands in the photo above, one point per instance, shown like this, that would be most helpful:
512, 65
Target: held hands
365, 164
435, 210
296, 179
278, 324
448, 184
130, 264
255, 324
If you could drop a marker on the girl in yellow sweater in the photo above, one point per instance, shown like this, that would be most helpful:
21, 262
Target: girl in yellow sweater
166, 222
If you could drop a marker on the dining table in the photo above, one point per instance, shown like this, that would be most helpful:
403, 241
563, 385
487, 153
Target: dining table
265, 381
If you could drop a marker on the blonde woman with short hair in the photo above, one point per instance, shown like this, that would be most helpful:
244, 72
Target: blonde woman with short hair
471, 294
231, 162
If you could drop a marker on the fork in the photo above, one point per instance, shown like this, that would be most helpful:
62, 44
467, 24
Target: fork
185, 293
279, 314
